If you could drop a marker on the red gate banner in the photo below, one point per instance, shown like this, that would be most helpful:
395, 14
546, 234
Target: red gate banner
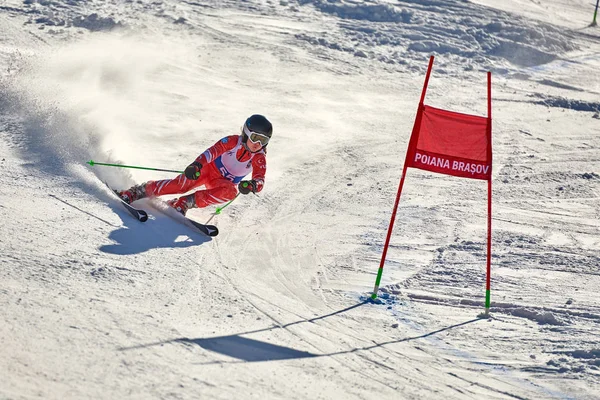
450, 143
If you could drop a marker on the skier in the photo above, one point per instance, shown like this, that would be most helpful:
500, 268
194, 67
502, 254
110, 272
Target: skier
220, 168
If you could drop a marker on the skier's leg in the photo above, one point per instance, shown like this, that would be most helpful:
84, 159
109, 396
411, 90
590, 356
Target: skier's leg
217, 191
180, 184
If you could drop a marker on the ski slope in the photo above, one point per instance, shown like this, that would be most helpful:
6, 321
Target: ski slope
98, 305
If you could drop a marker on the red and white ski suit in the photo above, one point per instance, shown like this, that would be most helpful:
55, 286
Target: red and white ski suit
224, 165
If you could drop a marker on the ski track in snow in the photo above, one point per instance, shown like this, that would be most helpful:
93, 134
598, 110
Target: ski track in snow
97, 305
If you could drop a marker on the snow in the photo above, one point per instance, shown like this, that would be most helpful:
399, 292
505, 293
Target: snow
97, 305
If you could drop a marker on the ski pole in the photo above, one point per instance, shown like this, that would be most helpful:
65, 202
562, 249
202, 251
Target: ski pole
92, 163
219, 209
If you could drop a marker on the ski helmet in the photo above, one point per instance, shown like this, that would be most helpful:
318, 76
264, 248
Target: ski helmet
258, 128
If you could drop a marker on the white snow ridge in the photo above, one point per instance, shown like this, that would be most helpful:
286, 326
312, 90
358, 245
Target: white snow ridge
97, 305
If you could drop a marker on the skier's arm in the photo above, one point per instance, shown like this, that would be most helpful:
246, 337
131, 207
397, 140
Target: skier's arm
259, 169
214, 151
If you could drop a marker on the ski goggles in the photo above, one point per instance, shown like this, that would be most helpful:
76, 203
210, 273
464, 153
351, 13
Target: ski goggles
256, 137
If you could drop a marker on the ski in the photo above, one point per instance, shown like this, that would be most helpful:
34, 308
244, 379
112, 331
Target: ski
139, 214
209, 230
163, 207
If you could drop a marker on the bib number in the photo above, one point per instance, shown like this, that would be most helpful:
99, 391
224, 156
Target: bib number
226, 174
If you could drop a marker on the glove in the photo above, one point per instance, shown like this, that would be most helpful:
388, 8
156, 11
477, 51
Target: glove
246, 187
192, 171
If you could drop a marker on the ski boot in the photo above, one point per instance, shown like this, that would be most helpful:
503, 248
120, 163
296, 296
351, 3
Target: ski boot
183, 203
133, 193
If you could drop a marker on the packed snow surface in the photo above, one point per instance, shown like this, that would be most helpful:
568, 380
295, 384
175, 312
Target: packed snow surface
98, 305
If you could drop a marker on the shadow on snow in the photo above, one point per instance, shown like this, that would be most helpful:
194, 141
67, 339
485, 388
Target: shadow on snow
136, 237
158, 232
252, 350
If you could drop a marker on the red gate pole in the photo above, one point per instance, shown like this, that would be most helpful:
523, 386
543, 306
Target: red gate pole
411, 146
489, 221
